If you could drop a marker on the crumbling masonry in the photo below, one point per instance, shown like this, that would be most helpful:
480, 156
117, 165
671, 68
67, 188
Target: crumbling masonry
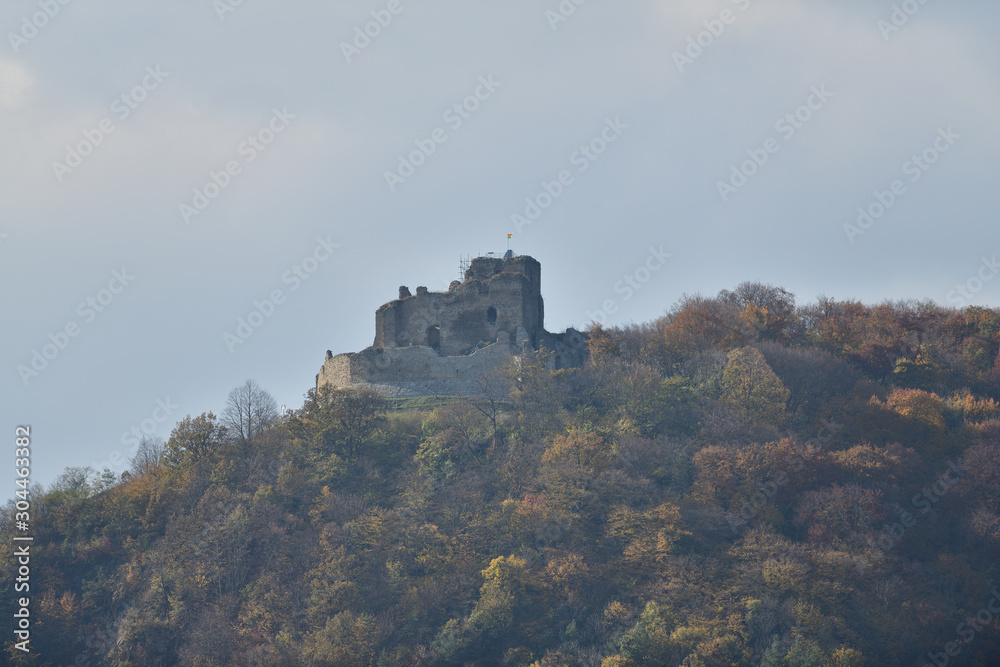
439, 343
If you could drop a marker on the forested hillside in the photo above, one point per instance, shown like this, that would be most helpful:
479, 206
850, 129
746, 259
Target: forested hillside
743, 482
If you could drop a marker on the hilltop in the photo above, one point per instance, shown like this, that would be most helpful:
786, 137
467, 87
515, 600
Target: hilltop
746, 481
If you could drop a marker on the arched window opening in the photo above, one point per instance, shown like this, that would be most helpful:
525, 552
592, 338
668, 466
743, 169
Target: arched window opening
434, 337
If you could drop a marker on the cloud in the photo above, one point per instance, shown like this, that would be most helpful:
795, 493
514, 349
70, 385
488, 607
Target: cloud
15, 84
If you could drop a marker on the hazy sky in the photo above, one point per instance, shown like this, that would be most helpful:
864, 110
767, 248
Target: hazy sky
174, 163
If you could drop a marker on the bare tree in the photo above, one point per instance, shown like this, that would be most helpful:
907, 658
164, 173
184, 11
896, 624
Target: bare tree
492, 399
249, 410
149, 456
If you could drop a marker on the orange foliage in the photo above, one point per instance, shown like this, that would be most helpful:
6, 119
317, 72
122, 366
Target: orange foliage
587, 450
919, 405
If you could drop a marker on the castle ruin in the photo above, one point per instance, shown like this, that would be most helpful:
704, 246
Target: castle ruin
439, 343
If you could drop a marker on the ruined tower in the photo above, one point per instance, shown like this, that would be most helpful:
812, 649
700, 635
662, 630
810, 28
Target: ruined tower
440, 342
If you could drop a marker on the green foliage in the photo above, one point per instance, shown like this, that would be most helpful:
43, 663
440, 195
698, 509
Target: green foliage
648, 642
921, 371
346, 640
751, 387
802, 653
194, 439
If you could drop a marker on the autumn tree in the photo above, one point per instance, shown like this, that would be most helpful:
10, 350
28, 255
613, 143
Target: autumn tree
536, 393
454, 433
647, 539
632, 343
587, 450
595, 533
920, 406
347, 640
340, 422
751, 387
867, 463
812, 375
766, 310
697, 324
493, 614
849, 514
194, 438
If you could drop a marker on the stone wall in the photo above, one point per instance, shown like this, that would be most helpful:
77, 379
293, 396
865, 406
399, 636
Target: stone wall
413, 371
497, 295
439, 343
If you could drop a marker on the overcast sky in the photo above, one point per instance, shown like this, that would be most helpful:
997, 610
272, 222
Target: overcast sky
175, 162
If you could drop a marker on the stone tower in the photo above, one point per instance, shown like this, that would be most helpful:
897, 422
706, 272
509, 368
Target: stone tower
497, 295
440, 342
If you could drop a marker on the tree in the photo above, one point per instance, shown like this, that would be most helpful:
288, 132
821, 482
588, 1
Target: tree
195, 438
492, 398
918, 405
491, 618
751, 387
359, 413
75, 483
249, 410
537, 394
812, 375
870, 464
456, 432
767, 310
587, 450
340, 421
848, 514
697, 324
648, 642
347, 640
149, 456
